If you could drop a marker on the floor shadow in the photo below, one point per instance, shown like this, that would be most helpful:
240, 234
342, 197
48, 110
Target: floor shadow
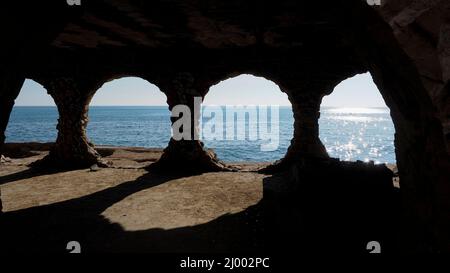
333, 207
28, 173
24, 150
335, 210
45, 228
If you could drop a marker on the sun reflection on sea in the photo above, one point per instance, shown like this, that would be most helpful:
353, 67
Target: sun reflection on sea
359, 110
358, 134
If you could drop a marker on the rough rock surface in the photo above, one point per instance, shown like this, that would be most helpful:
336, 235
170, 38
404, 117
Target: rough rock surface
423, 30
1, 204
72, 148
319, 198
307, 48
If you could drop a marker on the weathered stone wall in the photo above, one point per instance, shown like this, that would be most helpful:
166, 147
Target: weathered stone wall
10, 85
422, 28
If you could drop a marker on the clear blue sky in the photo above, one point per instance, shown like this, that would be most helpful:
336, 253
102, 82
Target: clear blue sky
359, 91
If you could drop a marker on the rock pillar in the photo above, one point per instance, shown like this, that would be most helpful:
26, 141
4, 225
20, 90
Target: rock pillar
10, 86
186, 154
72, 148
306, 141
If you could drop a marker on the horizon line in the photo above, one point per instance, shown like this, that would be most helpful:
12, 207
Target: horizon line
155, 105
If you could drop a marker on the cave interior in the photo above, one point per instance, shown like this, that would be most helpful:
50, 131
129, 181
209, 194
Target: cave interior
305, 47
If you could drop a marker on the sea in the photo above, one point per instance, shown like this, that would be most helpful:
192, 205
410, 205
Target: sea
350, 134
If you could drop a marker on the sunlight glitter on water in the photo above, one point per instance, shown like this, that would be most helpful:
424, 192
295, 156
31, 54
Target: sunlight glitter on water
358, 133
362, 110
348, 134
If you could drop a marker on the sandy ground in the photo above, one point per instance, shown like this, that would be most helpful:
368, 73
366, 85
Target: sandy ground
179, 202
125, 208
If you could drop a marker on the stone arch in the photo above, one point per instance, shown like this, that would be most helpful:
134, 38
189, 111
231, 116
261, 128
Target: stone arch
72, 95
256, 78
344, 124
34, 94
422, 159
422, 156
112, 85
105, 80
35, 84
11, 90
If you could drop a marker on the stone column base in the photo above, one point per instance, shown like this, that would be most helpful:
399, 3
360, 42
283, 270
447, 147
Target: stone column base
71, 160
188, 157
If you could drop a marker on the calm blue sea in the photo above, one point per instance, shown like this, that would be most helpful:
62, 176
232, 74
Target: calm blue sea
348, 133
